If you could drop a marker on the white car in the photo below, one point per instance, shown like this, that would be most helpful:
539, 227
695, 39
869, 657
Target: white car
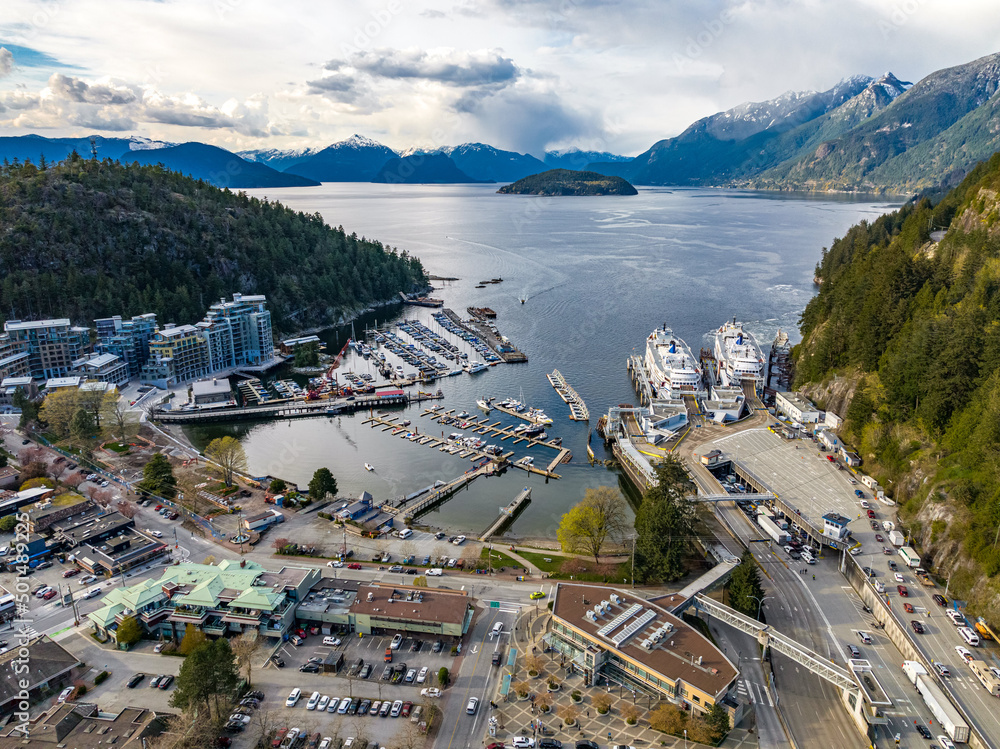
293, 697
965, 653
335, 563
945, 742
313, 701
522, 742
430, 692
397, 640
64, 694
324, 702
240, 718
325, 743
152, 532
956, 618
344, 704
331, 641
471, 706
422, 676
88, 579
898, 578
93, 592
397, 708
942, 669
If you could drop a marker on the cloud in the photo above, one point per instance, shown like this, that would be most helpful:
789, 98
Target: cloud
447, 66
188, 110
78, 90
6, 62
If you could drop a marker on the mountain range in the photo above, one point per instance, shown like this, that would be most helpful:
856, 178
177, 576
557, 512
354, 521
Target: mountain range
862, 135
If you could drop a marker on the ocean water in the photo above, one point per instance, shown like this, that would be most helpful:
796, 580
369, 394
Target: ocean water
598, 274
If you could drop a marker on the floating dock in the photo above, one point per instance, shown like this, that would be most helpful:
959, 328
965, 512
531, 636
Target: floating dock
516, 414
577, 408
508, 514
502, 348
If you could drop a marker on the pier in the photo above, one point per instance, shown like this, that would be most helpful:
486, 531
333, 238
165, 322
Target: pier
640, 381
481, 425
500, 345
442, 493
577, 408
290, 409
516, 414
507, 514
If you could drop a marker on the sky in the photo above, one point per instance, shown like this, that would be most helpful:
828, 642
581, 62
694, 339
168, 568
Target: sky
524, 75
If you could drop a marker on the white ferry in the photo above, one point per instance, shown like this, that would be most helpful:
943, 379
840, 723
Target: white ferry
738, 356
670, 363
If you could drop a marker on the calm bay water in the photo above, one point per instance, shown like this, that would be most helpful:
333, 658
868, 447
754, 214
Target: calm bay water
599, 273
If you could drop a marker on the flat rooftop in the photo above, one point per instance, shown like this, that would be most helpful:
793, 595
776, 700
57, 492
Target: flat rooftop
330, 596
797, 473
391, 603
675, 656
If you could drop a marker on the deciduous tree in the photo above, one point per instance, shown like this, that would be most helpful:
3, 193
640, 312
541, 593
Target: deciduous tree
193, 638
228, 457
245, 647
667, 718
589, 524
58, 409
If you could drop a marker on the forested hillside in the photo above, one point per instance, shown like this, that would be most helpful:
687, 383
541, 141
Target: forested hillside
88, 239
916, 325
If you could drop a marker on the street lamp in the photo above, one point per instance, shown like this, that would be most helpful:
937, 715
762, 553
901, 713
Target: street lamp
760, 603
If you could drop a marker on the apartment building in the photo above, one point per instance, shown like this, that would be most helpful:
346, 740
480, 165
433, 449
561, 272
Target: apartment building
127, 339
51, 345
176, 354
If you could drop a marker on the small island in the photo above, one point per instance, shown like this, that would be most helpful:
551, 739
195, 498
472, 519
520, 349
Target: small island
569, 182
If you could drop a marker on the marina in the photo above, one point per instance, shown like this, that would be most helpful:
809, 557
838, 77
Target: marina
577, 408
487, 332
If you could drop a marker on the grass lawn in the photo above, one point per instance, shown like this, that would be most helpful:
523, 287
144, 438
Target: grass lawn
564, 568
499, 559
118, 447
66, 499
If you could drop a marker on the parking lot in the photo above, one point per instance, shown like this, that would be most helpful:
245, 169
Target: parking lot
358, 682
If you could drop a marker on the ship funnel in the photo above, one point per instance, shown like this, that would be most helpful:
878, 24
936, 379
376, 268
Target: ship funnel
673, 348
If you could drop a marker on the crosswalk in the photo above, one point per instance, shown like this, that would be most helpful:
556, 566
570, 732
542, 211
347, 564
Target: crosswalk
753, 692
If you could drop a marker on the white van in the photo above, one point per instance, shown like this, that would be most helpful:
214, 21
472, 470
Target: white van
313, 701
435, 572
293, 697
497, 629
879, 586
969, 635
405, 533
807, 557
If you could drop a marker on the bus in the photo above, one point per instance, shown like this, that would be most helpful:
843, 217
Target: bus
986, 677
909, 556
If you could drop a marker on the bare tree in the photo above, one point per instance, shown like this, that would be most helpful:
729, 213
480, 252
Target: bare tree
245, 647
408, 736
121, 424
127, 509
263, 725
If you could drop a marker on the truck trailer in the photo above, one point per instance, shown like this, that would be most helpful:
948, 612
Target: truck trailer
909, 556
942, 709
896, 538
913, 669
768, 526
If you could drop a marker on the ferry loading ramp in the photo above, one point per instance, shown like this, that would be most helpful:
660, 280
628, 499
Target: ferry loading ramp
805, 483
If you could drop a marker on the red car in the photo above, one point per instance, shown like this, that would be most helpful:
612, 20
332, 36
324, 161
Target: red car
878, 537
50, 595
407, 707
871, 514
301, 633
908, 608
901, 589
831, 458
158, 508
276, 741
71, 572
354, 566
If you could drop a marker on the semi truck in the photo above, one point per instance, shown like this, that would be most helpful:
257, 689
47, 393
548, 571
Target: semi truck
946, 714
913, 669
767, 525
896, 538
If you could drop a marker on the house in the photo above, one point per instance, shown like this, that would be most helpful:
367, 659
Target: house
357, 509
263, 520
829, 439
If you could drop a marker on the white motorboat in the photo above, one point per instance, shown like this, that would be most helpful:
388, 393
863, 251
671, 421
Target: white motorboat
369, 467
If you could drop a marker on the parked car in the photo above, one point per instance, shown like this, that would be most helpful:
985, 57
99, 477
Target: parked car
405, 712
71, 572
939, 599
49, 595
331, 641
64, 694
397, 640
522, 742
430, 692
165, 682
135, 680
397, 707
155, 681
309, 668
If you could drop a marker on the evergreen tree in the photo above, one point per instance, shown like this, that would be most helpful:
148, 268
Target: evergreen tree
745, 589
322, 483
129, 631
665, 523
158, 477
717, 720
207, 674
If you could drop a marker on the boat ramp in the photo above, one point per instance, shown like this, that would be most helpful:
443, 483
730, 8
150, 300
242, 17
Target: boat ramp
577, 408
